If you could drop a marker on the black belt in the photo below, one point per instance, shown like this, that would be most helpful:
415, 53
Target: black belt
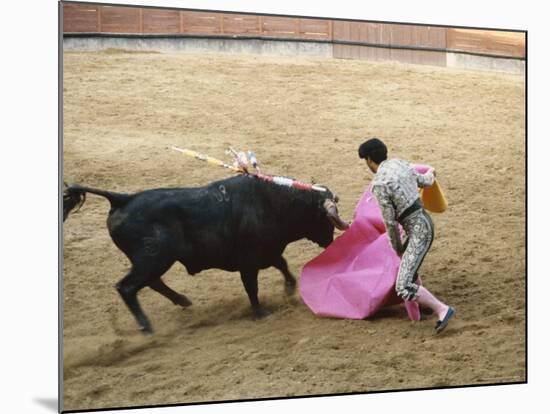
417, 205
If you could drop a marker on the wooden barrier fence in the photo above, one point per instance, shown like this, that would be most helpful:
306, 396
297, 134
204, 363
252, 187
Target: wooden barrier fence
351, 39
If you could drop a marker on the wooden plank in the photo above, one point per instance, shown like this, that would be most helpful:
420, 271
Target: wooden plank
279, 26
390, 55
364, 32
341, 52
119, 19
346, 52
510, 44
201, 22
378, 53
314, 29
161, 21
356, 52
374, 33
375, 53
355, 32
401, 55
429, 58
386, 34
80, 18
400, 35
431, 37
240, 24
337, 52
341, 30
99, 26
406, 35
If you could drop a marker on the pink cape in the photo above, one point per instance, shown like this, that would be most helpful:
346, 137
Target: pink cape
355, 276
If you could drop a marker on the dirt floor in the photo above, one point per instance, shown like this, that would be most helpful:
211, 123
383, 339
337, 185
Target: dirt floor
304, 117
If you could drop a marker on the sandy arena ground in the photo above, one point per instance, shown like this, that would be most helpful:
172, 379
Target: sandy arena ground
303, 117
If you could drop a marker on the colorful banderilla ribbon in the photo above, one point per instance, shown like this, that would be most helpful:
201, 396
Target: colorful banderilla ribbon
289, 182
284, 181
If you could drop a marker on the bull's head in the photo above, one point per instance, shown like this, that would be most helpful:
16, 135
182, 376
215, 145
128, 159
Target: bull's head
332, 213
328, 219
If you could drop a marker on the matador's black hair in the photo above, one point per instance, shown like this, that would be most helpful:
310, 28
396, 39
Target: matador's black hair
374, 149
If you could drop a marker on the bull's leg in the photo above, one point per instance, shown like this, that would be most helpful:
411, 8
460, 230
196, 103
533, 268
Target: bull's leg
250, 282
175, 297
128, 288
290, 280
144, 271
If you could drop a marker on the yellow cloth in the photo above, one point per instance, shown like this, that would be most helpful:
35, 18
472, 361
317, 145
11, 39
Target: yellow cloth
433, 198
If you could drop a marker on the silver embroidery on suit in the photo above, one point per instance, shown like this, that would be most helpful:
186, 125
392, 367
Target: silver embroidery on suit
395, 186
420, 233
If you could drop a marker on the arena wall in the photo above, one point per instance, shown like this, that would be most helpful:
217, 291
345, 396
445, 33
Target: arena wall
94, 27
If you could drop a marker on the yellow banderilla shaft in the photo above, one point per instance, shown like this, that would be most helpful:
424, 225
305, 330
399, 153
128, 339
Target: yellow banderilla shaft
206, 158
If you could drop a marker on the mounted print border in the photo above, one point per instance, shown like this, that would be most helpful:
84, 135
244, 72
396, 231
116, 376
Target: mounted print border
301, 93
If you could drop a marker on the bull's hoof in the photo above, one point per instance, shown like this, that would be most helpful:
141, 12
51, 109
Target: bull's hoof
146, 330
290, 288
183, 302
261, 313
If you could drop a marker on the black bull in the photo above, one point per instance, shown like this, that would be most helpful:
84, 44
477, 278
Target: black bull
238, 224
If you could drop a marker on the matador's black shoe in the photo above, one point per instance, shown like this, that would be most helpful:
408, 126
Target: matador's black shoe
442, 324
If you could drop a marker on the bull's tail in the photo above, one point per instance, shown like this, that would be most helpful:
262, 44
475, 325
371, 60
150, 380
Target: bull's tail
74, 196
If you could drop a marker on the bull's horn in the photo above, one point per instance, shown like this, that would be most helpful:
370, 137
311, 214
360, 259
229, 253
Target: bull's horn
332, 214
